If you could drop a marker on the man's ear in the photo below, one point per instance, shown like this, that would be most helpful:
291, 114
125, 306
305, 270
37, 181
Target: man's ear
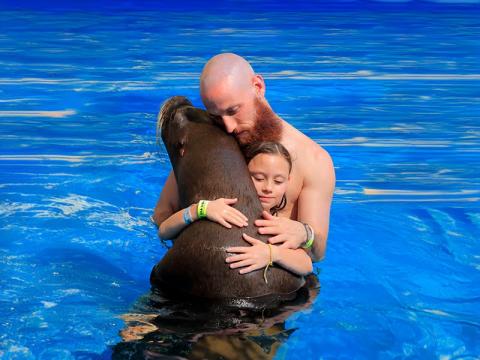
259, 85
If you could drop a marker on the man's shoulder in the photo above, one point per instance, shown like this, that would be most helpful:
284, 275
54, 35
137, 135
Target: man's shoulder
321, 156
313, 152
317, 163
310, 155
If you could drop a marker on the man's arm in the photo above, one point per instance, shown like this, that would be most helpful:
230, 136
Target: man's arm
315, 200
168, 203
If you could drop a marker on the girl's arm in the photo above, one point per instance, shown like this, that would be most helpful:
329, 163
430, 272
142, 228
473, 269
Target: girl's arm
173, 225
218, 211
259, 255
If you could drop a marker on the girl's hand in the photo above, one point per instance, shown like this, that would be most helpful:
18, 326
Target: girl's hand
221, 212
249, 258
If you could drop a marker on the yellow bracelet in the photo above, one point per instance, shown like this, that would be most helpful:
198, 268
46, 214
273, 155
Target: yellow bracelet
269, 264
202, 209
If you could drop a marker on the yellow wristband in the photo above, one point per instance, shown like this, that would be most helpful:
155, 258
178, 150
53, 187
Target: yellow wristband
202, 209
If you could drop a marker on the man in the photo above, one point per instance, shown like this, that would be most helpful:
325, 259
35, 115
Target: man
236, 95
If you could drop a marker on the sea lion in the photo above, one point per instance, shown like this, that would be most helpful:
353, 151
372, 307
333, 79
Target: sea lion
208, 164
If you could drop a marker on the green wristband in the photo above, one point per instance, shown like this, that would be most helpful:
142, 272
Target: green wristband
309, 243
202, 209
310, 236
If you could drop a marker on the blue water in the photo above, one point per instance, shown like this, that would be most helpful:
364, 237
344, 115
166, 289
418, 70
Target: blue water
392, 94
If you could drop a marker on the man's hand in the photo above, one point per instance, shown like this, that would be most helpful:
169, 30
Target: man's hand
287, 233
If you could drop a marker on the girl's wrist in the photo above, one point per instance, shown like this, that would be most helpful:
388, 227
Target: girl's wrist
275, 253
193, 211
201, 209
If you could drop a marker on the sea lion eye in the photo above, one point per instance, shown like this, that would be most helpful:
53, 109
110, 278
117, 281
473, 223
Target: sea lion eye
216, 118
181, 146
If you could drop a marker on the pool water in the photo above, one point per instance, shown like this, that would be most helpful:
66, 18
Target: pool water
392, 93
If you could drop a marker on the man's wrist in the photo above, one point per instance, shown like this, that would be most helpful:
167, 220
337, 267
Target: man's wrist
310, 236
305, 232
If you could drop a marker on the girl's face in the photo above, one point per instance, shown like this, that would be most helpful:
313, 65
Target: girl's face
270, 176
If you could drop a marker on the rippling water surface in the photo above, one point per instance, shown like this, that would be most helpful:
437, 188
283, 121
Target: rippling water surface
394, 96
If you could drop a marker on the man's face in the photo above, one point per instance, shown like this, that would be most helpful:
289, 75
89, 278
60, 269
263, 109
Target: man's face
235, 113
244, 115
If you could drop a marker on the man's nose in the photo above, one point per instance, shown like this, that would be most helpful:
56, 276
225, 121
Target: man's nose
229, 123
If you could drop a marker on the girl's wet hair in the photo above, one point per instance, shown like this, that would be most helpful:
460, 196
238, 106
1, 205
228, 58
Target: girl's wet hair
271, 148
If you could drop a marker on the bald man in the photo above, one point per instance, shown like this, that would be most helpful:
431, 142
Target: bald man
232, 91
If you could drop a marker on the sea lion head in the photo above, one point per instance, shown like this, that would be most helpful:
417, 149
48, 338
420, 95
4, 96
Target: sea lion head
174, 124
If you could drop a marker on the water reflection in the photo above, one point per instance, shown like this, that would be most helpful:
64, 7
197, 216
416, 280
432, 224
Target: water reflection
160, 328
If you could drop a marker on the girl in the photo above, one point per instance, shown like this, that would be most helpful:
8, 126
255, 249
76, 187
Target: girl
269, 164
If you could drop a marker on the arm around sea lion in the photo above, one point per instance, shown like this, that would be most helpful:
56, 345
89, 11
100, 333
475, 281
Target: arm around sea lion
169, 202
218, 210
171, 221
259, 255
315, 200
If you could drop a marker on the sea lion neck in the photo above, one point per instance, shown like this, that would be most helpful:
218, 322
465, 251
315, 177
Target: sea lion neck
213, 155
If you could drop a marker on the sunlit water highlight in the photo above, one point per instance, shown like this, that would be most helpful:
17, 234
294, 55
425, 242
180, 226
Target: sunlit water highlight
393, 96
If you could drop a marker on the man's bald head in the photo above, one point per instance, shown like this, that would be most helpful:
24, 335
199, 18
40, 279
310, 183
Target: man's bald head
226, 72
232, 92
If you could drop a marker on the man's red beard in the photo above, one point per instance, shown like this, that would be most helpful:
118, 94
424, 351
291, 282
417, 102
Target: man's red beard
267, 126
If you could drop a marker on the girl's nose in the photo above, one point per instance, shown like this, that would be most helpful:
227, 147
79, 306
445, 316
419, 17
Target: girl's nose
267, 186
